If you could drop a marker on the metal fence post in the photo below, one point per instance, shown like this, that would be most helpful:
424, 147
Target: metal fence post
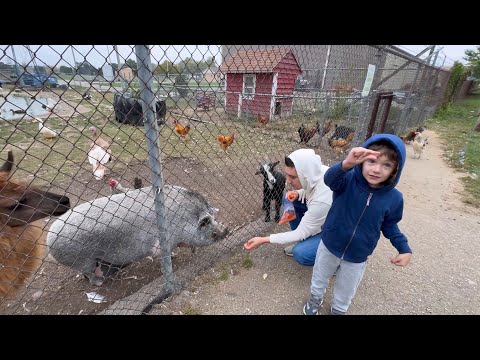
369, 100
151, 132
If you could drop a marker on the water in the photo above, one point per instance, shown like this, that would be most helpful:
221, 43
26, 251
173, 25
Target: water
14, 102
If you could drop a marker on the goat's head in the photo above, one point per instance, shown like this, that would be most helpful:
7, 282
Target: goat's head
21, 204
267, 170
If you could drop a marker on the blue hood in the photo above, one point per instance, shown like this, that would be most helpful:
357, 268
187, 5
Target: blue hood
399, 148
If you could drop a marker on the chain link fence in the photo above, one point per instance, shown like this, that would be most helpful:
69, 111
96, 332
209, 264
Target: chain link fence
157, 150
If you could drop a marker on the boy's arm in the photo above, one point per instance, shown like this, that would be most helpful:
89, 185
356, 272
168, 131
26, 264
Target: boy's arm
334, 177
391, 231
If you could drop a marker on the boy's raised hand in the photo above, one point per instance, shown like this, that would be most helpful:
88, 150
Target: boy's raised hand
357, 156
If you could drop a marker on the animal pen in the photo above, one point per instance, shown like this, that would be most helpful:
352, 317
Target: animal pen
217, 132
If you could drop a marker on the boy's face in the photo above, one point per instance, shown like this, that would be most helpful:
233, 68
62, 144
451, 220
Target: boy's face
377, 171
292, 177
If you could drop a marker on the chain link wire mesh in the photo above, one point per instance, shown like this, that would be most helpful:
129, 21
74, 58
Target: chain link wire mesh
102, 124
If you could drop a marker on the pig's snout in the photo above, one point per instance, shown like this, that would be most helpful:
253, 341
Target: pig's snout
219, 234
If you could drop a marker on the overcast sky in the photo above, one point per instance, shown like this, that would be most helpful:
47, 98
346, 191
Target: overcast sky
99, 54
453, 52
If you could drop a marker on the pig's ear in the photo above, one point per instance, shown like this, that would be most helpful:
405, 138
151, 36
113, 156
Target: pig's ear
204, 221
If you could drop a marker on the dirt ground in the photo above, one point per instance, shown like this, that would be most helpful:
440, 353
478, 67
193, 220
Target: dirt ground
443, 277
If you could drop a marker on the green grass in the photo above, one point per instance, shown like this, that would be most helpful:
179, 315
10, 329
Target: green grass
63, 159
462, 145
189, 310
247, 262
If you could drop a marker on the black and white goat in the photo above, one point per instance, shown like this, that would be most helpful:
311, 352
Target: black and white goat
273, 189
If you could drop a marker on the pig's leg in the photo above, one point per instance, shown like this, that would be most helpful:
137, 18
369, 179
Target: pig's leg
95, 275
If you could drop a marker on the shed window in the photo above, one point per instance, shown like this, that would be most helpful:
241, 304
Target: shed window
248, 86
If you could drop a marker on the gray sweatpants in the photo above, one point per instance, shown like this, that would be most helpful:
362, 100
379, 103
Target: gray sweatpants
347, 279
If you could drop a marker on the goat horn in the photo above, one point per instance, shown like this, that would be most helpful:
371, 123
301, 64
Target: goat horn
7, 167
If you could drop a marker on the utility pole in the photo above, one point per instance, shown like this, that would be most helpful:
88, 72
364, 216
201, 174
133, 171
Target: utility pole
74, 66
122, 80
17, 69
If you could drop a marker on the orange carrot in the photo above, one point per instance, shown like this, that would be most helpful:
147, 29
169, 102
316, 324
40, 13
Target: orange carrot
291, 195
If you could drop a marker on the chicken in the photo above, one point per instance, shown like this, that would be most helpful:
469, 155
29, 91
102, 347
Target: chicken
263, 119
411, 135
47, 133
339, 145
419, 144
326, 129
306, 134
116, 187
225, 140
180, 129
99, 154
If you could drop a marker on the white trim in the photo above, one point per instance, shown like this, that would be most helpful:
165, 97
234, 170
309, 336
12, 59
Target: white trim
252, 95
225, 92
239, 111
274, 93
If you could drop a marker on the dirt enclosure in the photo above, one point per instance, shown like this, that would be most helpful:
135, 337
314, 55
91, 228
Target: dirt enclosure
226, 179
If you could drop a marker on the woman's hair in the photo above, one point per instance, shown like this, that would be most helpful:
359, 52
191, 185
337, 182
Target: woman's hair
386, 148
289, 162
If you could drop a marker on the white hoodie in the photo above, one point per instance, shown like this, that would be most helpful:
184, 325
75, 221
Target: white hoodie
319, 197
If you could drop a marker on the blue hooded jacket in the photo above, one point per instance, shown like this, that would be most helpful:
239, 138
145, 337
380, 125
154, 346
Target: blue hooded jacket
358, 213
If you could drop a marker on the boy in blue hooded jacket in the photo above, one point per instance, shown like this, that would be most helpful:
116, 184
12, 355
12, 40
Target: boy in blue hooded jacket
365, 202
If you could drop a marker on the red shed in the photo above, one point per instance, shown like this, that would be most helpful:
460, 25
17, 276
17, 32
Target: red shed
260, 82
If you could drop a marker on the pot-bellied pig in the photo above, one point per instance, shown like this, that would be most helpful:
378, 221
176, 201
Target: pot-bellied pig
122, 228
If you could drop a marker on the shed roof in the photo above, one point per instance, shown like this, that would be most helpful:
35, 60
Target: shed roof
254, 61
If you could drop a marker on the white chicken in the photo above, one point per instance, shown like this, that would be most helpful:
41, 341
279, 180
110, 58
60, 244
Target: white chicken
419, 144
47, 133
99, 154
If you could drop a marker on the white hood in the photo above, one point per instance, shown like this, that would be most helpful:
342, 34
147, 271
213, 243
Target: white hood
309, 170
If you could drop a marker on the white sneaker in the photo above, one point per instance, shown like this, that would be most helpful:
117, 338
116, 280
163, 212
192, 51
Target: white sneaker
289, 248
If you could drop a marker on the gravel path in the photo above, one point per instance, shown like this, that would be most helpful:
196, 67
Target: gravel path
443, 277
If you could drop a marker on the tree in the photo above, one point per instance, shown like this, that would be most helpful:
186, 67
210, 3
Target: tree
166, 67
181, 85
66, 69
86, 68
454, 82
132, 64
473, 58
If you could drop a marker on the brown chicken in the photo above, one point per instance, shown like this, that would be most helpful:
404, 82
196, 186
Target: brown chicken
339, 145
306, 134
180, 129
263, 119
326, 128
225, 140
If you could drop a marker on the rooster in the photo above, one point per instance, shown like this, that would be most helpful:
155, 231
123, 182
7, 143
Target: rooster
225, 140
419, 144
326, 128
411, 135
263, 119
306, 134
180, 129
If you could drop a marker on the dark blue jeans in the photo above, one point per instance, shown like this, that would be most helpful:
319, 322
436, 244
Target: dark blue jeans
305, 251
